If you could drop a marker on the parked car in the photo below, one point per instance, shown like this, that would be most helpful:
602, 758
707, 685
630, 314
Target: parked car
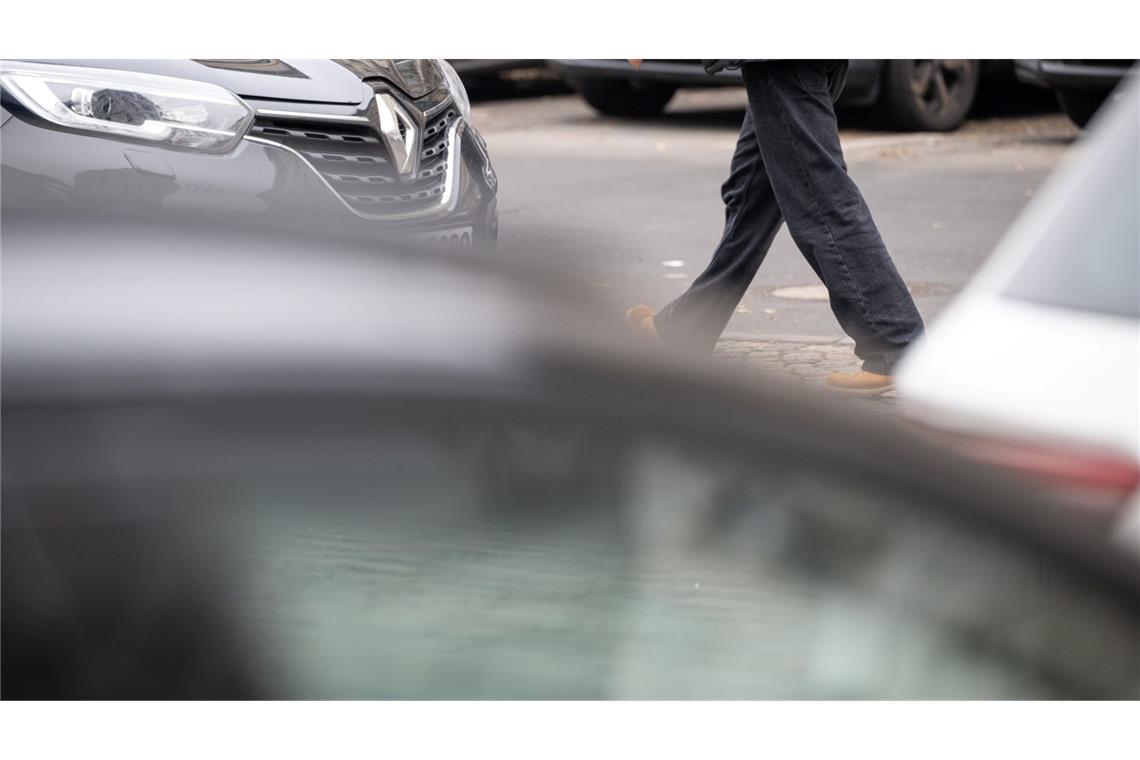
490, 79
383, 147
927, 95
1081, 87
271, 466
1035, 365
485, 67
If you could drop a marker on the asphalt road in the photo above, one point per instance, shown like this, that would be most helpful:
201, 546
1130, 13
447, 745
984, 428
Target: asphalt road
634, 207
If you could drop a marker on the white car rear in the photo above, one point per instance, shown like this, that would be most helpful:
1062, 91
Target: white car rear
1036, 364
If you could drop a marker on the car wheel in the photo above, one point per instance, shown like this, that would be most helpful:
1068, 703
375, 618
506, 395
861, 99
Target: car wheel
617, 97
930, 96
1080, 105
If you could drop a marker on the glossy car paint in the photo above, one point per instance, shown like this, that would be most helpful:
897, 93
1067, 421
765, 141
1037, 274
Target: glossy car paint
45, 165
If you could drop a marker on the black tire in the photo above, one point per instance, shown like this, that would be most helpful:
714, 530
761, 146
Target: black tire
625, 98
931, 95
1080, 105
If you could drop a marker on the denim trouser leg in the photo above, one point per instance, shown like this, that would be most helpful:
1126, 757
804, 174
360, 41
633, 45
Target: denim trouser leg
698, 316
796, 172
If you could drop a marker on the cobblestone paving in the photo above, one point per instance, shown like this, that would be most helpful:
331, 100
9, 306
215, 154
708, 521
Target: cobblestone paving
808, 362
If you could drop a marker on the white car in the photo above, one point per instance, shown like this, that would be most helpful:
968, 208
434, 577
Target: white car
1036, 364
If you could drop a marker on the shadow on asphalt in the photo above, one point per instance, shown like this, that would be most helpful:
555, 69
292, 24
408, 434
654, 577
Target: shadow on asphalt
1047, 140
1002, 95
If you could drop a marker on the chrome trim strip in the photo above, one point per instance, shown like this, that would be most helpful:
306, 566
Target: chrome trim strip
403, 148
447, 199
439, 107
311, 116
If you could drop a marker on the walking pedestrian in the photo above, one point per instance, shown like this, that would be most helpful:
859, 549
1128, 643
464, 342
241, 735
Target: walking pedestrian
789, 167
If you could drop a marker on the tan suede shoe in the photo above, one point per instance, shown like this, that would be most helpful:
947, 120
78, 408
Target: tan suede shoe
861, 383
640, 318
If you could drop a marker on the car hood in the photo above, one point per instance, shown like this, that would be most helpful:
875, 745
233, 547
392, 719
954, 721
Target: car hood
311, 81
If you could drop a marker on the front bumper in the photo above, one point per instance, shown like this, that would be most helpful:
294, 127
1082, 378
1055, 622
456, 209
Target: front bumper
1099, 76
260, 182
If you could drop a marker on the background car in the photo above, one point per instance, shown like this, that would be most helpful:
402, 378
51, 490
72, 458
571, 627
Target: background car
1035, 364
1081, 87
271, 466
487, 67
378, 146
926, 95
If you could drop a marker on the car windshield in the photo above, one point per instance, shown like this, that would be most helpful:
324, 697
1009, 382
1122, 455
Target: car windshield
519, 559
1088, 257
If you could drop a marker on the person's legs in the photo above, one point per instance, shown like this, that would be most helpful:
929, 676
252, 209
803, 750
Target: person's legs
698, 316
792, 107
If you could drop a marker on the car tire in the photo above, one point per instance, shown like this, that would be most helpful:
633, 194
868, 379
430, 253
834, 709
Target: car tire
929, 95
1080, 105
628, 99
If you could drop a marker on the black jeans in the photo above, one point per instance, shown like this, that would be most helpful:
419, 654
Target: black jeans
788, 166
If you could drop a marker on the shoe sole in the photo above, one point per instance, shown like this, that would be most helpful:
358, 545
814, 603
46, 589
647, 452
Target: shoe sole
862, 391
642, 326
636, 321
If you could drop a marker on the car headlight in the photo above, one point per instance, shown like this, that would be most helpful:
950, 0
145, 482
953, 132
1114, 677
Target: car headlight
455, 86
180, 113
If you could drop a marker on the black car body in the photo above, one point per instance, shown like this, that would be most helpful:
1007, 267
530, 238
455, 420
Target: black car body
1081, 87
364, 147
486, 67
276, 467
934, 95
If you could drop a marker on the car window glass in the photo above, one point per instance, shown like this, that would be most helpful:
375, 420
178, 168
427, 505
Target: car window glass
524, 560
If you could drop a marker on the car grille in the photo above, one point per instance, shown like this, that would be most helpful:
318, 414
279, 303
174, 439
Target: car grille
354, 160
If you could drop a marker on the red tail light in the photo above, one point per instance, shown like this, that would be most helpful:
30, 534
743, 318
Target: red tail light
1101, 479
1074, 468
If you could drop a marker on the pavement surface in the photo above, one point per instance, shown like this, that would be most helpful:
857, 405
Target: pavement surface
633, 207
803, 360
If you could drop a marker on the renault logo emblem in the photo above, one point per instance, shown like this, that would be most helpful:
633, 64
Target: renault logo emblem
399, 133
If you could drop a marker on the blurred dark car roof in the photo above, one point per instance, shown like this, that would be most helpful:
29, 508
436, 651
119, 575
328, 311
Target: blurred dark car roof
95, 310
